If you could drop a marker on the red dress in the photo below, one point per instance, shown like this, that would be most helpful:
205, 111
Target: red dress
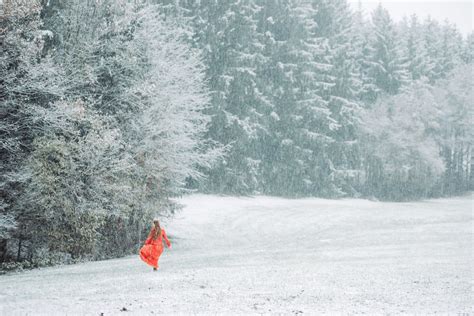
153, 248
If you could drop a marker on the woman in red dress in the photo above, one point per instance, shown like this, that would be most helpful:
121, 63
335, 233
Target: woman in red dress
153, 248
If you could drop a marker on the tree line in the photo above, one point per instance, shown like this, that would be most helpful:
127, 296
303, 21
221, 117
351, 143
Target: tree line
315, 99
102, 122
111, 108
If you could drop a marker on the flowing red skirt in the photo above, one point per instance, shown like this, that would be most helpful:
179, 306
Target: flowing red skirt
150, 254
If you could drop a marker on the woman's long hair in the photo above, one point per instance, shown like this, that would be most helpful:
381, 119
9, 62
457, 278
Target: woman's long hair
157, 229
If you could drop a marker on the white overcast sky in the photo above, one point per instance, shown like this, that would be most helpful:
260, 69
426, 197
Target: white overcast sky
459, 12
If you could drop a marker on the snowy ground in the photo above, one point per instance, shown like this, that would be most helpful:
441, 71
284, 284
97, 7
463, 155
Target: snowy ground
276, 256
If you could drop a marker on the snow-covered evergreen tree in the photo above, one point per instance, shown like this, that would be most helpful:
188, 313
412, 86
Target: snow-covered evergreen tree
361, 35
451, 48
431, 34
296, 72
467, 53
419, 62
334, 23
279, 31
226, 32
386, 65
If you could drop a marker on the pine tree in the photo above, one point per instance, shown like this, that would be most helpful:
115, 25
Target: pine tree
307, 123
361, 34
432, 42
226, 32
309, 94
278, 27
385, 61
419, 62
467, 54
334, 20
451, 48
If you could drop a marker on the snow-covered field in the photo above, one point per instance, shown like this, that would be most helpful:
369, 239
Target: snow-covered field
275, 256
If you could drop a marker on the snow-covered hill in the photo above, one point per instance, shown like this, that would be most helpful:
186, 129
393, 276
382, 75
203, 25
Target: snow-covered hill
275, 256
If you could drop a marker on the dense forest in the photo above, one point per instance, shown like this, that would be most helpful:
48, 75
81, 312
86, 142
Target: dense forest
111, 108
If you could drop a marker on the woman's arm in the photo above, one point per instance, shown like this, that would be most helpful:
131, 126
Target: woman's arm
168, 244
